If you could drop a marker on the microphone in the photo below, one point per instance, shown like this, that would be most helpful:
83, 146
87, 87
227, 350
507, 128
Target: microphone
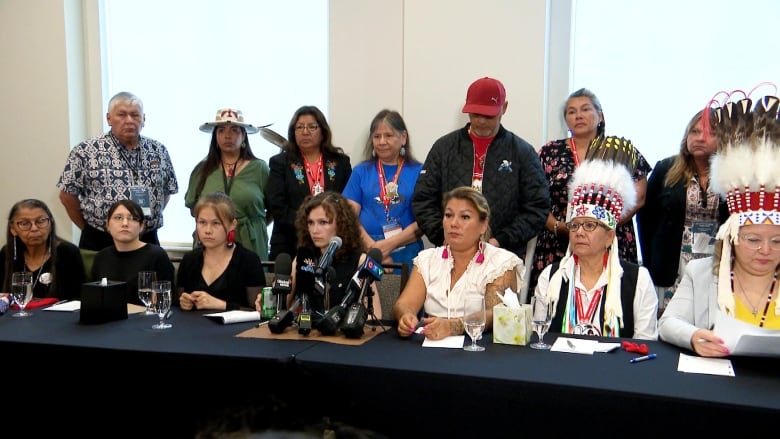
282, 284
355, 319
304, 285
327, 255
330, 321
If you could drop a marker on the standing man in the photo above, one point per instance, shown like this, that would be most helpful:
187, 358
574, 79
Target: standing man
118, 165
487, 157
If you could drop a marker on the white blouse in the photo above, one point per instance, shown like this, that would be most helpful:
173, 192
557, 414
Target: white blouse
436, 271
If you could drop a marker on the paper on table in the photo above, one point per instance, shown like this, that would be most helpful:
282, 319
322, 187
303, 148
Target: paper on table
745, 339
235, 316
607, 347
72, 305
453, 341
575, 345
710, 366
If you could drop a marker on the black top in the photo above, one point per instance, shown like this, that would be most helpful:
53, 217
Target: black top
288, 186
67, 277
661, 222
244, 271
124, 267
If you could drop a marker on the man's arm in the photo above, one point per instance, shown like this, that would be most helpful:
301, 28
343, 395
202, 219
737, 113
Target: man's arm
427, 197
73, 207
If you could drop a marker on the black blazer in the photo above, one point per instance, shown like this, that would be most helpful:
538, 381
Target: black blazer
287, 189
660, 224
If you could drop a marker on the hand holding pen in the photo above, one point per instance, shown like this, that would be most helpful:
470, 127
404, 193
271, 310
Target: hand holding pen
705, 343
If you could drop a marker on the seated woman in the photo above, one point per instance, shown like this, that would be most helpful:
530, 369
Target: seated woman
593, 291
468, 265
33, 245
319, 219
220, 273
740, 279
129, 255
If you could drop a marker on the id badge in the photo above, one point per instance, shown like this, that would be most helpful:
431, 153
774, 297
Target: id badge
391, 228
703, 237
140, 194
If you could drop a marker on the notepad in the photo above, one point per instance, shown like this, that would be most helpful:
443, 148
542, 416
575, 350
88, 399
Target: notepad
71, 305
235, 316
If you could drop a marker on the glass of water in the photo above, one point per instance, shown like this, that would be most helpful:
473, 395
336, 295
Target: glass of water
161, 302
21, 291
474, 321
145, 279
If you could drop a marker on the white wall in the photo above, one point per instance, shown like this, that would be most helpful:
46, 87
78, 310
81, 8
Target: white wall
414, 56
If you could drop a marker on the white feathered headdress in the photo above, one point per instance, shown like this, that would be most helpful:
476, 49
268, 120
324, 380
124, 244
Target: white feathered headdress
745, 170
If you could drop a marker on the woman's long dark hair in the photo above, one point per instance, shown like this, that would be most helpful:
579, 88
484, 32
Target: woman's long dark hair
14, 248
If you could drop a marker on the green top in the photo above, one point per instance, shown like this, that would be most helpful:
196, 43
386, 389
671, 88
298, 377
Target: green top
247, 193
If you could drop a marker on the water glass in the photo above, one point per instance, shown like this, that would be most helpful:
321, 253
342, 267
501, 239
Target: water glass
21, 291
542, 317
145, 279
474, 321
161, 302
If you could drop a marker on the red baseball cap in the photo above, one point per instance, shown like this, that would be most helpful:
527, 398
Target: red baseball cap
485, 96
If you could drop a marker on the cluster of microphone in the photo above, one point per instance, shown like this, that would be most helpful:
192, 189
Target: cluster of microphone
313, 280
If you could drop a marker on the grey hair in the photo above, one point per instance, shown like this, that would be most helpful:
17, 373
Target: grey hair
125, 97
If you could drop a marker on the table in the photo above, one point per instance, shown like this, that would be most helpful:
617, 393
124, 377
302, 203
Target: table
74, 374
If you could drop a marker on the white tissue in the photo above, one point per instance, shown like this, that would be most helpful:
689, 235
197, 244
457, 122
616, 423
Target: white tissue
510, 299
104, 282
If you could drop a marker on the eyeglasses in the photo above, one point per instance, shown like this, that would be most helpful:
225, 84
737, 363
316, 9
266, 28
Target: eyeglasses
27, 224
122, 218
588, 226
311, 127
755, 242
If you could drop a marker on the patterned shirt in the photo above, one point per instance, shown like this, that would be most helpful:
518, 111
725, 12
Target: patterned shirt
101, 171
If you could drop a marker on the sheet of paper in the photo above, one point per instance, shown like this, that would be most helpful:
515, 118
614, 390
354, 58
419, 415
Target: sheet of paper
453, 341
575, 345
72, 305
607, 347
235, 316
709, 366
745, 339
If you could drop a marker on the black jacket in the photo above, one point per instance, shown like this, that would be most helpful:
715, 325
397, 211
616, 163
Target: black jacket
660, 224
513, 183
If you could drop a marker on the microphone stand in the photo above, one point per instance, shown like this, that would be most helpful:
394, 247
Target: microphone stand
373, 320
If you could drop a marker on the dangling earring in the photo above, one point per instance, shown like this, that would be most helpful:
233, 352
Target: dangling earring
231, 238
481, 252
445, 254
14, 248
373, 153
243, 144
402, 152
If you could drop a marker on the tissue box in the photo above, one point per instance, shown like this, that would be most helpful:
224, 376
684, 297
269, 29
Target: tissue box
512, 325
103, 303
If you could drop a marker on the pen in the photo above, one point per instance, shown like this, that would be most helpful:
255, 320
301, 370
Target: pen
571, 345
644, 358
262, 323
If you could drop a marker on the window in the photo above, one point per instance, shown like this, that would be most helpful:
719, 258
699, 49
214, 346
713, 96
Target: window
187, 58
655, 64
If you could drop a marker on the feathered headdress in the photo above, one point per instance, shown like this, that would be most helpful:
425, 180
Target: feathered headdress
605, 191
611, 148
746, 171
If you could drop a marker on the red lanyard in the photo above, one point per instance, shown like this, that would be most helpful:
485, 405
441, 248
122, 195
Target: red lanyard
314, 182
383, 182
582, 316
574, 152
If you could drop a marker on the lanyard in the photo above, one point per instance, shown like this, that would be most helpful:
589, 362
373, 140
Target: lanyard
131, 159
314, 182
388, 190
584, 316
574, 152
228, 182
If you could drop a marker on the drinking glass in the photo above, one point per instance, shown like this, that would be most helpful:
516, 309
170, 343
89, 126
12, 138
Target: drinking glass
542, 316
161, 302
474, 321
21, 291
145, 279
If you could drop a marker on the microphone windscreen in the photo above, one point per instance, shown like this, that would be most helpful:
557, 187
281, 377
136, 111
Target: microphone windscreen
375, 254
283, 264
